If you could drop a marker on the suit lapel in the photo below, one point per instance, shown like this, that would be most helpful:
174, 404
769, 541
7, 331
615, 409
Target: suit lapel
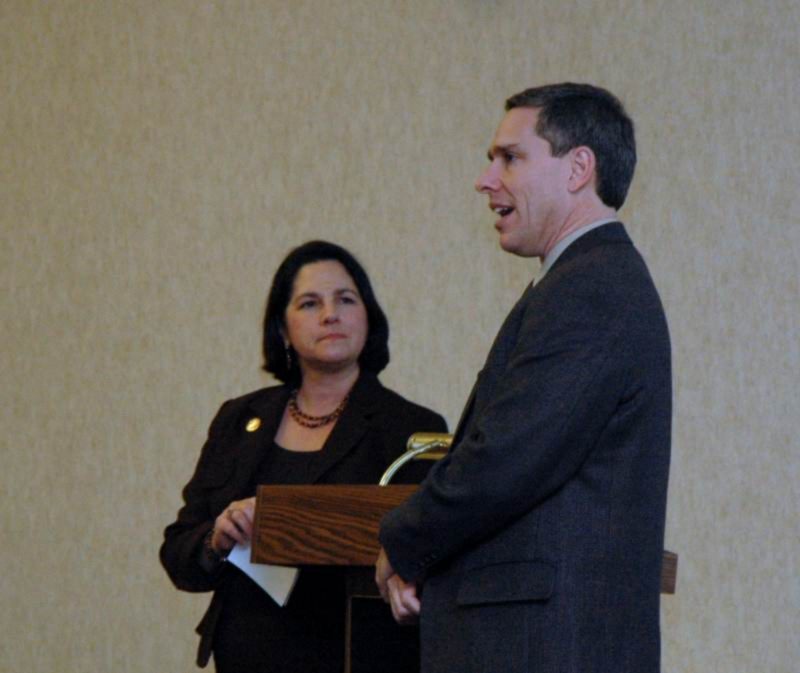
255, 443
506, 338
465, 414
498, 355
611, 233
351, 426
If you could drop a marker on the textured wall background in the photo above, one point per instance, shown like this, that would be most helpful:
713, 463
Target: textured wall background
159, 158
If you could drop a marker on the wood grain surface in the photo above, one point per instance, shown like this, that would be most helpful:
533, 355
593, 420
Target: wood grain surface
322, 524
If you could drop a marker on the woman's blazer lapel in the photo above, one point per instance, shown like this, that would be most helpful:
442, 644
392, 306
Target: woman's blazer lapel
349, 431
268, 410
352, 425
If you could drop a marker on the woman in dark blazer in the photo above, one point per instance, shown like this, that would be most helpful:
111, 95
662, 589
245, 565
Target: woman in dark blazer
326, 338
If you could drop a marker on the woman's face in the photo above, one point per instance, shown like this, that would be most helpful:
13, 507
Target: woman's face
325, 320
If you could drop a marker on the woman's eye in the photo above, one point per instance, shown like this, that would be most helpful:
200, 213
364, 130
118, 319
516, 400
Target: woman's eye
508, 158
346, 299
308, 303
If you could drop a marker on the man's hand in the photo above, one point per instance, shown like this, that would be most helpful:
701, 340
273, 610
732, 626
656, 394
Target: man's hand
400, 595
383, 571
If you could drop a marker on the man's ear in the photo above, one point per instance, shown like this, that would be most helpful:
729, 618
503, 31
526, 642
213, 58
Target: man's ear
583, 168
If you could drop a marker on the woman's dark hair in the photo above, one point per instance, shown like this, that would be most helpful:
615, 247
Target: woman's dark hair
375, 355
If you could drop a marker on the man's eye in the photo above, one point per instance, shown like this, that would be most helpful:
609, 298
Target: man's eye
508, 157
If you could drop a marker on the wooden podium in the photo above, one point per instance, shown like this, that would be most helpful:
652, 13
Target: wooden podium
337, 525
326, 525
322, 524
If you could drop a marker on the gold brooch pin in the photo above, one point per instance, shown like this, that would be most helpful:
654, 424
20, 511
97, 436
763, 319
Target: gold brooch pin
253, 424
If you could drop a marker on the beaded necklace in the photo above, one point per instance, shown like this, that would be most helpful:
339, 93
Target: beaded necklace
308, 421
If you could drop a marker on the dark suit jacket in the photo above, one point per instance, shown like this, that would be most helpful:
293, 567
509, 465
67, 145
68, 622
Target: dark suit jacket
371, 432
539, 537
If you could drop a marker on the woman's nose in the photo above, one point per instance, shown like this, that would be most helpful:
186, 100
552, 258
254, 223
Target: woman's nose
330, 314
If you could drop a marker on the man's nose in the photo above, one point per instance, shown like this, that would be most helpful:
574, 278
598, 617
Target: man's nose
487, 181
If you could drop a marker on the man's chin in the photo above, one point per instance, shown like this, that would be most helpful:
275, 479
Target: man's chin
513, 246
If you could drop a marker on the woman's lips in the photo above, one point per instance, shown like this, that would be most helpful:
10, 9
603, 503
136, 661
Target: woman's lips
333, 337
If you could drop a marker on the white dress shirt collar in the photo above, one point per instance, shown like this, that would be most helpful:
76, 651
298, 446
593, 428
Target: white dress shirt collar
565, 242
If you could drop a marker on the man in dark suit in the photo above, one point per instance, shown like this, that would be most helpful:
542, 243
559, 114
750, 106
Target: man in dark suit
536, 543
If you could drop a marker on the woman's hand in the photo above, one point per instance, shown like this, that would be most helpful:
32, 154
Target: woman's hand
234, 525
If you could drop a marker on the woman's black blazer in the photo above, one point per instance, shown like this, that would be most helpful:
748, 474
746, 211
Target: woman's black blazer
371, 432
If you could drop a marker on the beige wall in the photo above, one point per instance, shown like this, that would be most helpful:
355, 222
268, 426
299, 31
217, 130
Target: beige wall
159, 158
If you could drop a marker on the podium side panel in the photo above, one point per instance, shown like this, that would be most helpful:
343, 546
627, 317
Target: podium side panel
322, 524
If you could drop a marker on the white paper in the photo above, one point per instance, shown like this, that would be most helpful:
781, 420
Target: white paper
277, 581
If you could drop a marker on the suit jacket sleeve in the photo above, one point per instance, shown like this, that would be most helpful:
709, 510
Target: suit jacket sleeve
541, 401
183, 539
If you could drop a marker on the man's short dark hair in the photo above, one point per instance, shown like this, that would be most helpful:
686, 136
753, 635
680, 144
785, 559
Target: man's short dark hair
375, 355
571, 115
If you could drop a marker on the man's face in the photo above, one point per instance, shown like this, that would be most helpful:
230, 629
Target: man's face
526, 186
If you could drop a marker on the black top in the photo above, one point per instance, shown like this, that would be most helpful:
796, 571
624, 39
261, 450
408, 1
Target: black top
255, 633
284, 466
